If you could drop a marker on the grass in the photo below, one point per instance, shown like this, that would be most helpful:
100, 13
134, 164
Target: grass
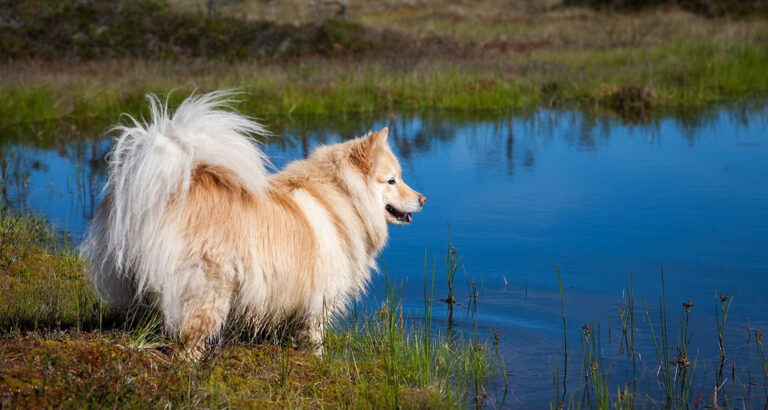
724, 307
42, 284
634, 83
489, 55
60, 346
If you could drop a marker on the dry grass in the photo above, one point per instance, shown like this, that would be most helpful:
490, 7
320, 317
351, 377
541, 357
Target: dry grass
568, 28
535, 23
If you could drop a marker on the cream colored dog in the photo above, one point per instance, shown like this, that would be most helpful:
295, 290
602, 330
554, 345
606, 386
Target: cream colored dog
192, 219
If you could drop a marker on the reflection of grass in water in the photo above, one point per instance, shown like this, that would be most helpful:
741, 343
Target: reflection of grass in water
56, 338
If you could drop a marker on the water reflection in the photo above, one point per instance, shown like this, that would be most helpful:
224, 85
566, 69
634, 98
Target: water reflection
68, 161
62, 184
524, 193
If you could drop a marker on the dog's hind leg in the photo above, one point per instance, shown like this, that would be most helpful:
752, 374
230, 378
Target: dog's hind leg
204, 309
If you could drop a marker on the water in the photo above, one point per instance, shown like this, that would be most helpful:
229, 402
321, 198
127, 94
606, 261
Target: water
600, 199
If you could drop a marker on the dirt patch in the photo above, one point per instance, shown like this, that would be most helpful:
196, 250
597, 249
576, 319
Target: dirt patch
631, 102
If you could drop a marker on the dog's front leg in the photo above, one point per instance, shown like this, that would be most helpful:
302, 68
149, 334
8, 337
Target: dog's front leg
309, 336
316, 333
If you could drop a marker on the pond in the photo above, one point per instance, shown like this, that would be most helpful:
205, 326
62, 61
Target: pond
605, 202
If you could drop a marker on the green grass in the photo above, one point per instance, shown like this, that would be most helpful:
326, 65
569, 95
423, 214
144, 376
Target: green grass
633, 82
41, 279
60, 346
486, 55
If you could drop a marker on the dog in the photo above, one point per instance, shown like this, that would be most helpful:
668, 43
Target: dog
192, 219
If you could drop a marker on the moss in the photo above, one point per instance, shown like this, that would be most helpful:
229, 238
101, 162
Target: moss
99, 369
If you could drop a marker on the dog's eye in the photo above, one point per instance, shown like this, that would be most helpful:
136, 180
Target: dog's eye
391, 181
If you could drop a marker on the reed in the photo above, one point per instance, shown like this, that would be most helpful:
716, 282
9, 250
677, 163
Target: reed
428, 299
452, 261
561, 398
661, 344
723, 307
761, 353
683, 366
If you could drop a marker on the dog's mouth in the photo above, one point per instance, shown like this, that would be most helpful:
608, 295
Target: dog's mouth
400, 216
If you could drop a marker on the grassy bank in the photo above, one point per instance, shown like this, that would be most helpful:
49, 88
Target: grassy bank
60, 346
631, 82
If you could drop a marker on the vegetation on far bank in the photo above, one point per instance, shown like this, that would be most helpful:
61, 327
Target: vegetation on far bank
479, 56
173, 29
633, 82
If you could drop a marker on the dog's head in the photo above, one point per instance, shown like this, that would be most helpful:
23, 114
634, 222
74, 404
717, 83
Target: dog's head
382, 171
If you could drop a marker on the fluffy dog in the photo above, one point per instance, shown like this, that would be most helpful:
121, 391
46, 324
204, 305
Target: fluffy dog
192, 219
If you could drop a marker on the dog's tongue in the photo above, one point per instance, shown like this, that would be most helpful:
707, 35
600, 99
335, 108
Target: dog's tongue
408, 217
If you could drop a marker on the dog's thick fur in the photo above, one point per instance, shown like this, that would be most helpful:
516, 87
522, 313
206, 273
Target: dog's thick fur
192, 219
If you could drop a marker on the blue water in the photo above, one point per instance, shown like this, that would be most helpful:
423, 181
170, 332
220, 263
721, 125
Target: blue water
598, 198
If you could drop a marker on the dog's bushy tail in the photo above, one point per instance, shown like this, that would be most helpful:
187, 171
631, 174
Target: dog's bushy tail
151, 164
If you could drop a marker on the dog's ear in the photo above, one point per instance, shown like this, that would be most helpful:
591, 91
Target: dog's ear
363, 154
376, 141
379, 139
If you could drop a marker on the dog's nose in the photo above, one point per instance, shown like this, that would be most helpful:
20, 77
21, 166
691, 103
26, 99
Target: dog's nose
422, 199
